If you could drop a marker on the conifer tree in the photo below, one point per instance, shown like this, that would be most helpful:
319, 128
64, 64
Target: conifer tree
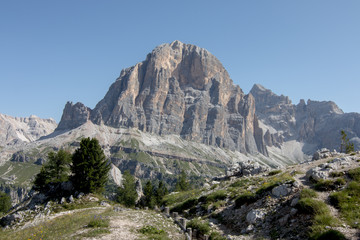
55, 170
127, 194
182, 183
161, 191
89, 167
5, 202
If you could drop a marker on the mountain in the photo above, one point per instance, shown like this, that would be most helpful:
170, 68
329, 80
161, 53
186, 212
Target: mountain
316, 124
179, 89
24, 129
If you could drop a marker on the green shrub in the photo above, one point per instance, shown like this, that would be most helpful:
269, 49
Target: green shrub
192, 202
217, 236
97, 222
328, 185
202, 227
308, 193
274, 172
240, 183
336, 174
312, 206
348, 201
150, 230
245, 198
354, 174
215, 196
331, 235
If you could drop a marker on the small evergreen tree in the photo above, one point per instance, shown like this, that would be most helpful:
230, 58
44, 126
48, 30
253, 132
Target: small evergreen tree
161, 191
5, 202
182, 183
149, 195
127, 194
89, 167
55, 170
346, 146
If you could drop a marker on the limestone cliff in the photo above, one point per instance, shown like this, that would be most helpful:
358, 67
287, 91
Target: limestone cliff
179, 89
24, 129
314, 123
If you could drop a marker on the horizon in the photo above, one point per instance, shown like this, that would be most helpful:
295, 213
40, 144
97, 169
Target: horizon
73, 51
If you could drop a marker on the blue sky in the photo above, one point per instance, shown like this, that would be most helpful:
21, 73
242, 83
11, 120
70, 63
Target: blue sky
52, 52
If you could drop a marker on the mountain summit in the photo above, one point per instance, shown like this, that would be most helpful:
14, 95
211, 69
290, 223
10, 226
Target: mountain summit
179, 89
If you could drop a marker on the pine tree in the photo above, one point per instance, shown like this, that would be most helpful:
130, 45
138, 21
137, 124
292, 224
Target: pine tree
55, 170
127, 194
182, 183
5, 202
89, 167
346, 146
161, 191
149, 195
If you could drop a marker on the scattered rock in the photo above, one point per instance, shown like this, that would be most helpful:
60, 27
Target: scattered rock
281, 191
255, 215
62, 200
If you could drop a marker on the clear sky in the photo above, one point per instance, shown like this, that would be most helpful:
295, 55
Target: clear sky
52, 52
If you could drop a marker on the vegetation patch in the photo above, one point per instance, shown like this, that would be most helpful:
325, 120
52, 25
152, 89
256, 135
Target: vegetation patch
202, 227
312, 206
245, 198
192, 202
331, 235
348, 201
354, 174
308, 193
98, 222
328, 185
274, 172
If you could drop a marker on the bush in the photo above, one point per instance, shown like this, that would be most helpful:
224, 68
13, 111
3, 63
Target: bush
245, 198
336, 174
215, 196
331, 235
185, 205
201, 226
308, 193
97, 222
312, 206
217, 236
274, 172
328, 185
354, 174
150, 230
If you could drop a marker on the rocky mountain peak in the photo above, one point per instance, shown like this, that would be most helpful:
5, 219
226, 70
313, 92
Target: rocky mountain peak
178, 89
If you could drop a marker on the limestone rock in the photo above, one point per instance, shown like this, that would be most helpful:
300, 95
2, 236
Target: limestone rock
179, 89
281, 191
24, 129
255, 215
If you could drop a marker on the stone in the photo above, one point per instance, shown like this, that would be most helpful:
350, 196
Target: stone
80, 195
318, 173
293, 211
255, 215
62, 200
250, 228
281, 191
283, 221
71, 199
294, 202
105, 204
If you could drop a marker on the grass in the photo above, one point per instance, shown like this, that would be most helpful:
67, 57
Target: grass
190, 203
22, 170
328, 185
98, 222
331, 235
214, 196
240, 183
312, 206
153, 233
348, 201
308, 193
274, 172
175, 198
354, 174
273, 182
245, 198
62, 227
202, 227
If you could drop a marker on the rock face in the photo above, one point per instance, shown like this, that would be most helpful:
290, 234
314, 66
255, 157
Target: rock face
24, 129
179, 89
314, 123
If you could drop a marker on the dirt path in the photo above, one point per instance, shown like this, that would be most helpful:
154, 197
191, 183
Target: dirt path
125, 225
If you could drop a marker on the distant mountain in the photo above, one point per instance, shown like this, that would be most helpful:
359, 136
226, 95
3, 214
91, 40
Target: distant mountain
315, 124
24, 129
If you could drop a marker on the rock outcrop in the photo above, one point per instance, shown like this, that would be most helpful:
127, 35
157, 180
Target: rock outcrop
24, 129
314, 123
179, 89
